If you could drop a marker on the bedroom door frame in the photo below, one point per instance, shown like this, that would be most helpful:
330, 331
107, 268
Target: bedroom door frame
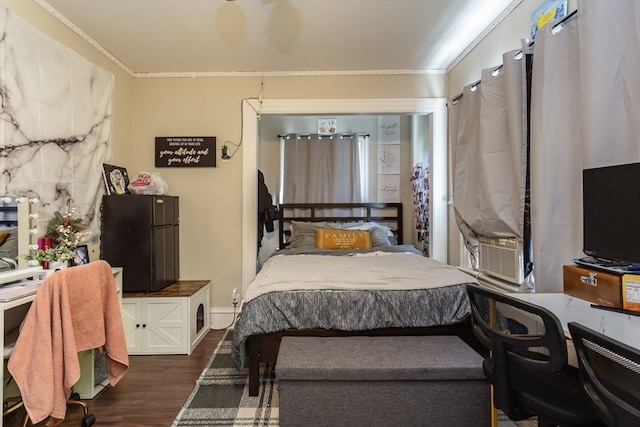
253, 109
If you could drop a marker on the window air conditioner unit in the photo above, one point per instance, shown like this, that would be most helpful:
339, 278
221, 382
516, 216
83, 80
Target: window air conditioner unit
501, 257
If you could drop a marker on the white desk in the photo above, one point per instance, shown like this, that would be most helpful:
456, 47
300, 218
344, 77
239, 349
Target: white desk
14, 305
620, 326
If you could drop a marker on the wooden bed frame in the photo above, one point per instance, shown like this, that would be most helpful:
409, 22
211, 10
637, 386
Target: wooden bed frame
390, 213
264, 348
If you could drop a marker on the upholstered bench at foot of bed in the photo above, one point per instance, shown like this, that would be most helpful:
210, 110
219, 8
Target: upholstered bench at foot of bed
381, 381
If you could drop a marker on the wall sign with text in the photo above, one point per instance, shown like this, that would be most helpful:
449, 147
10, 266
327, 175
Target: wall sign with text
185, 151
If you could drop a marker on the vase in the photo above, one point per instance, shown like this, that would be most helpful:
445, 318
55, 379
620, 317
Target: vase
58, 265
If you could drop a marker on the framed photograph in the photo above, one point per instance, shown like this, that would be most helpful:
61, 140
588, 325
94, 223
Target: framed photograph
327, 126
116, 179
549, 10
82, 255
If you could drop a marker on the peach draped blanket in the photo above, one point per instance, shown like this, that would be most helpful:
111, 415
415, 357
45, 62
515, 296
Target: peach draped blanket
75, 309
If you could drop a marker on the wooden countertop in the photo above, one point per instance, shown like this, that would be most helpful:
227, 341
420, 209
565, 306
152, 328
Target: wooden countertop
181, 288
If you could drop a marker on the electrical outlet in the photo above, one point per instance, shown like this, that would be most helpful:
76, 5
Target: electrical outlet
94, 251
234, 296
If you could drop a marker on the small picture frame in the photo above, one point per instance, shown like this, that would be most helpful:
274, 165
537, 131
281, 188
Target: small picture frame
327, 126
81, 256
116, 179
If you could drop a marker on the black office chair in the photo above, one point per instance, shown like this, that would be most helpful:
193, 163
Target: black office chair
527, 365
610, 372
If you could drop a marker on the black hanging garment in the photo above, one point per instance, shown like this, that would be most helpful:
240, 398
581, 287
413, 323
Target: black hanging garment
267, 212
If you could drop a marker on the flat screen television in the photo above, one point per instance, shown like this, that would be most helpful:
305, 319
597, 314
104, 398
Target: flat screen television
611, 213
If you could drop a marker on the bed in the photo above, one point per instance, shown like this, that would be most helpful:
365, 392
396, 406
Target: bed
361, 280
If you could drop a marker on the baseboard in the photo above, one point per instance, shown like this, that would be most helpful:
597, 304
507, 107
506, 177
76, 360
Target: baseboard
222, 317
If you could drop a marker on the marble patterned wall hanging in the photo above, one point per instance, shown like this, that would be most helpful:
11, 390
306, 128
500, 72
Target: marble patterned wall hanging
55, 122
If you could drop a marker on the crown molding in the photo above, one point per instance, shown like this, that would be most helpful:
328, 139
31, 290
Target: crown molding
288, 73
46, 6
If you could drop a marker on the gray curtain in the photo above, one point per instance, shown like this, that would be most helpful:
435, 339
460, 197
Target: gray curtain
555, 163
321, 169
488, 131
585, 113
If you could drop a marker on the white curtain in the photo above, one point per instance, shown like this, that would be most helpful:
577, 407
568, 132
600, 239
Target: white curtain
321, 169
488, 131
585, 113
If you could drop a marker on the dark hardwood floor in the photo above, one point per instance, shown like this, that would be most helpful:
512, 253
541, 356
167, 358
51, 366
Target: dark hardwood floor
151, 393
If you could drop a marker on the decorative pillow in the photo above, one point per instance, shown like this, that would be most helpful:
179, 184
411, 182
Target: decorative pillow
303, 234
328, 238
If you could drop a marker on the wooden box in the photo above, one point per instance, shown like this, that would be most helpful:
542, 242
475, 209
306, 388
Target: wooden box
597, 286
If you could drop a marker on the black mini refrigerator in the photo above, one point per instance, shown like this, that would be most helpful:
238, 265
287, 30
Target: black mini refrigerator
141, 234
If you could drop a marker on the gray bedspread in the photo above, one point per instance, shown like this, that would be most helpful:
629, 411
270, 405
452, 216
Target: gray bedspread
348, 310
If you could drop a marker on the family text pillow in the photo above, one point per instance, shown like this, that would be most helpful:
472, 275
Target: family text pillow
328, 238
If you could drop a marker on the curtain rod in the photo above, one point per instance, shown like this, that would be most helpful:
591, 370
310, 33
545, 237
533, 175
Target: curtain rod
526, 47
565, 19
342, 135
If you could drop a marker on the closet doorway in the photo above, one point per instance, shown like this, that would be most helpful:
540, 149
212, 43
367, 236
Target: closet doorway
431, 111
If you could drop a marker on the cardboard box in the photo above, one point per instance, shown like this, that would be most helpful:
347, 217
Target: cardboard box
600, 287
631, 292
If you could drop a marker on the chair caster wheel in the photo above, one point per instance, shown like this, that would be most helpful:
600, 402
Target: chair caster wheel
75, 396
88, 420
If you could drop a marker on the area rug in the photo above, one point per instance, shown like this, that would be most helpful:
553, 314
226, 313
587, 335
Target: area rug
221, 396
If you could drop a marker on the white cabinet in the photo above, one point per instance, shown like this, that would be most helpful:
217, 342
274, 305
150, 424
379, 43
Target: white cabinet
154, 325
170, 321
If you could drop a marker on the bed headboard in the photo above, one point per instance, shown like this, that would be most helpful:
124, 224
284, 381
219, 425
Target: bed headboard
390, 213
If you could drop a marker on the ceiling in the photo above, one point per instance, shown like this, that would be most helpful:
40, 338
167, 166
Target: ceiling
281, 36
